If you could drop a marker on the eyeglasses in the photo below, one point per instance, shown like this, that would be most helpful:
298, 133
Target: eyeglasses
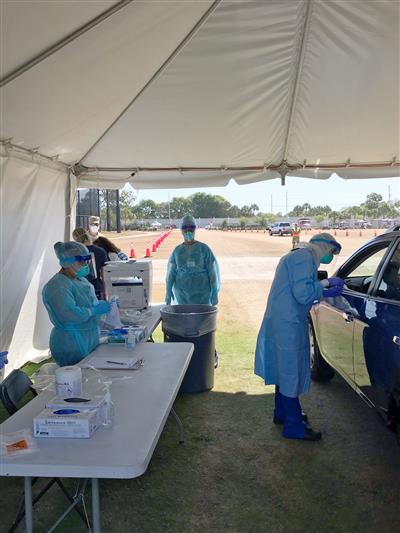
188, 228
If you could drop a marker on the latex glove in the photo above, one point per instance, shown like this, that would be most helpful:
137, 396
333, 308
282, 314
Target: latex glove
331, 292
101, 308
336, 282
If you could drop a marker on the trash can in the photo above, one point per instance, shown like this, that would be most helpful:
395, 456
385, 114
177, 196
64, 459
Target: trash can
196, 324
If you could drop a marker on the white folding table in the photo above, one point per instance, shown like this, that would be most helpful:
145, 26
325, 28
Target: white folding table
142, 405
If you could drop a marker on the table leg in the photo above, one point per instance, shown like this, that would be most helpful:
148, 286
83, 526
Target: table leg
28, 505
178, 422
96, 506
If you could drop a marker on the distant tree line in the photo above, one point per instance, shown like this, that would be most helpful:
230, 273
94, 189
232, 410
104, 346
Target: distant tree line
209, 206
374, 207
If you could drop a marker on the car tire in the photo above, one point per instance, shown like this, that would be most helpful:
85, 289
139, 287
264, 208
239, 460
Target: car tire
320, 370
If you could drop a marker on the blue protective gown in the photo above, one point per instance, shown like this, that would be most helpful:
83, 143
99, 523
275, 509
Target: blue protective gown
193, 275
76, 332
283, 348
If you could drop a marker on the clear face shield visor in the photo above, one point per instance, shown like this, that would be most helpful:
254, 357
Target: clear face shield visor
88, 261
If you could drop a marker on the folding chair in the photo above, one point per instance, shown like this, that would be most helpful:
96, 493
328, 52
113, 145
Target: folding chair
12, 390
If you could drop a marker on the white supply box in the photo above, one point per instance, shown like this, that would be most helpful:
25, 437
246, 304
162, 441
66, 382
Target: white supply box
67, 423
82, 403
131, 281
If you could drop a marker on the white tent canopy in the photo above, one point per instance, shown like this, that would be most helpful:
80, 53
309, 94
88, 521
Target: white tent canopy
184, 93
178, 93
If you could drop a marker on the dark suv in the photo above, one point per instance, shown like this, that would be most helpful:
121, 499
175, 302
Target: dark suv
358, 334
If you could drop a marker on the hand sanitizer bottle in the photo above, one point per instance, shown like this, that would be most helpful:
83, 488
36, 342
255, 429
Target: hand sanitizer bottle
130, 341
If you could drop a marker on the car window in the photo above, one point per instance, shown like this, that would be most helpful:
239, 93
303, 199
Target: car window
389, 287
361, 271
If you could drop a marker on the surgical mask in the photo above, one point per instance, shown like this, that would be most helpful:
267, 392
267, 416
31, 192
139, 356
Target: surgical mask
328, 258
94, 230
83, 271
188, 236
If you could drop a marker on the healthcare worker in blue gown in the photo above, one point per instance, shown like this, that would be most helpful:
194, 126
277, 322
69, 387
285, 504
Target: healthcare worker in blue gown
192, 273
282, 355
72, 305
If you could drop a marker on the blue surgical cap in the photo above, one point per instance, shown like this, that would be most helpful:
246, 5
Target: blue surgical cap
65, 251
188, 220
326, 239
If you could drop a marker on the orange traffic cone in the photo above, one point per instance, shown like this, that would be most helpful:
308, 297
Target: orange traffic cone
154, 249
132, 252
375, 233
148, 254
360, 233
347, 233
334, 233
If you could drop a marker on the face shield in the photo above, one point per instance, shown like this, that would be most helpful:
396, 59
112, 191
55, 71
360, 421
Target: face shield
82, 265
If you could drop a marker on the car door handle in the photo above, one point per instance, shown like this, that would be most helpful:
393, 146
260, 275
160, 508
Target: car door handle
396, 340
348, 317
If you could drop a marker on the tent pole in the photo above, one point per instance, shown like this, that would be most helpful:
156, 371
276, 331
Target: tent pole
157, 74
63, 42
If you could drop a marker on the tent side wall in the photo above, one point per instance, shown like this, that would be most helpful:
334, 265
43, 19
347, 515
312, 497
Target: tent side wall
34, 199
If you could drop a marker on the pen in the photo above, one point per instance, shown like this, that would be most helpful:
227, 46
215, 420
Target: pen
116, 363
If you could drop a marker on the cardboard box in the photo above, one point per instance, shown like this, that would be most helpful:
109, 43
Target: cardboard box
68, 423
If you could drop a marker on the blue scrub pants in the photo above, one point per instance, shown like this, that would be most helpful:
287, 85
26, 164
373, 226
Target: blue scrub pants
289, 410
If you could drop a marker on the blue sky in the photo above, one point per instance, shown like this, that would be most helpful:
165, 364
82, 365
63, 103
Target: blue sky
336, 192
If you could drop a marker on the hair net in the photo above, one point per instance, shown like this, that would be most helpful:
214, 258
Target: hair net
65, 251
94, 220
80, 235
327, 243
188, 220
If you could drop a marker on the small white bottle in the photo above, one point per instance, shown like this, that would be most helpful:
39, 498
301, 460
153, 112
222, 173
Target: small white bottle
130, 341
109, 409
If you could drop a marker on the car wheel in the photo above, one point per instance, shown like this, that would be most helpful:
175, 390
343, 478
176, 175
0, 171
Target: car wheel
320, 369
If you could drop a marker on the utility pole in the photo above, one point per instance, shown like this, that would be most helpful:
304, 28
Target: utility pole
271, 205
286, 203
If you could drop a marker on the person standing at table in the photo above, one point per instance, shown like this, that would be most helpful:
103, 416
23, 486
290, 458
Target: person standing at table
72, 305
113, 252
100, 258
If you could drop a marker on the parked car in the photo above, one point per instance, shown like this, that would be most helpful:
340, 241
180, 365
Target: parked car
281, 228
358, 333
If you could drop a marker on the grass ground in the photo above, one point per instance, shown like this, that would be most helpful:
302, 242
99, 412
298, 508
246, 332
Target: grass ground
235, 473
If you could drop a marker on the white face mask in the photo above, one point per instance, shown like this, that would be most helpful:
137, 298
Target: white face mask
94, 230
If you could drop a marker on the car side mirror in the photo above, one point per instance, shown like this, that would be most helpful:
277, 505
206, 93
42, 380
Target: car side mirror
322, 274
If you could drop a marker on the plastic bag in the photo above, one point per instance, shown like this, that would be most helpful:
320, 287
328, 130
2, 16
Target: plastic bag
113, 319
17, 443
44, 377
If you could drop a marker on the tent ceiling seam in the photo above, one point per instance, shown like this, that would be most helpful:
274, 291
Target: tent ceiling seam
188, 37
63, 42
297, 77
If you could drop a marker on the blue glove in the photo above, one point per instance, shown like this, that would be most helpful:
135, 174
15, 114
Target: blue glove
101, 308
336, 282
168, 299
335, 288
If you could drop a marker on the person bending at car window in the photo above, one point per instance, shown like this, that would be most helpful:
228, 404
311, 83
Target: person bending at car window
282, 355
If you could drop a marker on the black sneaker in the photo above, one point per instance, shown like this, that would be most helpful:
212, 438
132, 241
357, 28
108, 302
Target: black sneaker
312, 435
